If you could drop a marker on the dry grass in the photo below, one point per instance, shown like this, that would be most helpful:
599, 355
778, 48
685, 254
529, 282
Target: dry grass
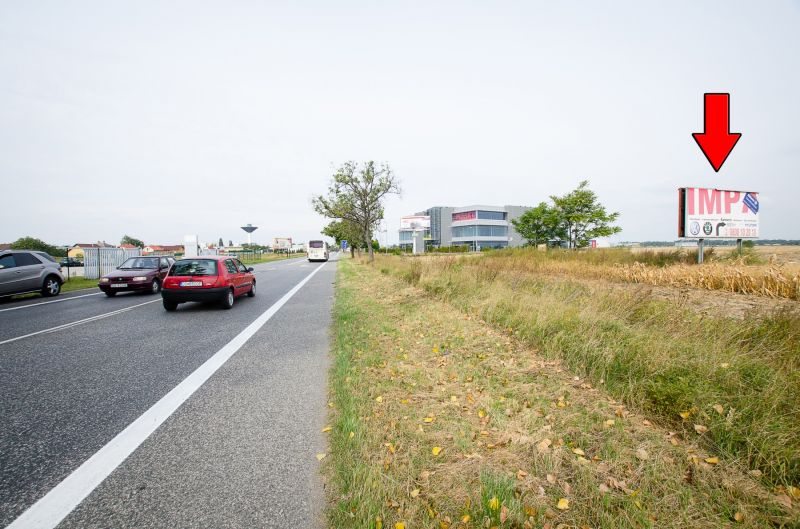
518, 431
774, 280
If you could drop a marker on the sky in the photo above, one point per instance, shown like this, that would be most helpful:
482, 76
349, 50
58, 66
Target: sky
160, 119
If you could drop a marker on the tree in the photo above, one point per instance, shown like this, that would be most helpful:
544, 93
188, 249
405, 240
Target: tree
356, 195
127, 239
32, 243
230, 243
221, 243
344, 230
539, 225
582, 217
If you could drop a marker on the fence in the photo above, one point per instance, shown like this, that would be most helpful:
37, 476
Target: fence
100, 261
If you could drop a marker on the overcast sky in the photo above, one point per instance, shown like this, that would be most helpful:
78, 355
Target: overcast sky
160, 119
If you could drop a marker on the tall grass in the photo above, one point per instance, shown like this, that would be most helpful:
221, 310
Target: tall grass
671, 268
738, 378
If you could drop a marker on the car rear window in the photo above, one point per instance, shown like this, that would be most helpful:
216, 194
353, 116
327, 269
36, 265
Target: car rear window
315, 244
45, 256
194, 267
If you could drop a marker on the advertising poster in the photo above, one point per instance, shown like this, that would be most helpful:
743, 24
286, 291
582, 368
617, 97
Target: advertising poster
717, 213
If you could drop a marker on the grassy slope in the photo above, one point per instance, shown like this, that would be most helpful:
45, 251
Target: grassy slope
412, 373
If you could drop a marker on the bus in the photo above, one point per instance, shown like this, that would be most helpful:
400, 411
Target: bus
317, 251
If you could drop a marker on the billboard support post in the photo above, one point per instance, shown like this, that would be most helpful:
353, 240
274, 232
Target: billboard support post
739, 246
700, 248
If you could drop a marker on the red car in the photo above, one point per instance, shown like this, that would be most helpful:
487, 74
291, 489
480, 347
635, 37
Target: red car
213, 278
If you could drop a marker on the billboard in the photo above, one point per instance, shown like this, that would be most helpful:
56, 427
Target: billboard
717, 213
415, 222
281, 243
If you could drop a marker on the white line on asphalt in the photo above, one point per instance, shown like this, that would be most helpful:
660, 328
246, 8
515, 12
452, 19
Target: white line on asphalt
54, 506
79, 322
48, 302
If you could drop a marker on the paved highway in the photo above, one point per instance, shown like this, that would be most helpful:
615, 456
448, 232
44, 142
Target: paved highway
116, 413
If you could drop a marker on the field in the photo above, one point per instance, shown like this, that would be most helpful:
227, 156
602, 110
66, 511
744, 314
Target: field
518, 389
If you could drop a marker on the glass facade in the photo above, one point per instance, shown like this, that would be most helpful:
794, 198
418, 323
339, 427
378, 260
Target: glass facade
480, 231
492, 215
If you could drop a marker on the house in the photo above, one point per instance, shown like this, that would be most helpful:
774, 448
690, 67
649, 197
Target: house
5, 246
76, 250
128, 246
162, 249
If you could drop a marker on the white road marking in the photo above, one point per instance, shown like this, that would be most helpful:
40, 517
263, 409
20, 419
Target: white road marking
48, 302
79, 322
54, 506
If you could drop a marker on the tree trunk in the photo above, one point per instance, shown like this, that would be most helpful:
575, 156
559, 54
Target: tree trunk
352, 252
371, 252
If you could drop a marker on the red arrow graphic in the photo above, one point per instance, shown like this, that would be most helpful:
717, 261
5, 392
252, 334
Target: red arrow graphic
717, 141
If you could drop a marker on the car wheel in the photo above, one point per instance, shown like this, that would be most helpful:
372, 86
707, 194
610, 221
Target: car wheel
155, 287
51, 286
170, 306
111, 294
227, 301
252, 291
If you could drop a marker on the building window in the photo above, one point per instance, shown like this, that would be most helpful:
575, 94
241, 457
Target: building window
406, 236
480, 231
492, 215
464, 215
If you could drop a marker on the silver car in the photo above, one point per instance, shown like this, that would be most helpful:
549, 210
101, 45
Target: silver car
23, 271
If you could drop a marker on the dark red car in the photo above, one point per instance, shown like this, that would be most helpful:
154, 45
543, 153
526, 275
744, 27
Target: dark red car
138, 274
213, 278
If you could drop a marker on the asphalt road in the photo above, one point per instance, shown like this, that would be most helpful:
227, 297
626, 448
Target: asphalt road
238, 452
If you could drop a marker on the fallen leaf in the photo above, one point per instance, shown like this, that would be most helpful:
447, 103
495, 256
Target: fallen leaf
436, 450
642, 454
719, 409
712, 460
429, 419
503, 514
321, 456
379, 398
327, 429
453, 398
399, 525
604, 488
685, 414
544, 445
563, 504
415, 493
494, 503
521, 474
465, 518
481, 413
699, 428
794, 492
578, 451
724, 365
351, 435
551, 478
531, 511
647, 423
739, 517
609, 423
378, 523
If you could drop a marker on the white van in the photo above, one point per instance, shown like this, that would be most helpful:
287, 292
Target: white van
318, 251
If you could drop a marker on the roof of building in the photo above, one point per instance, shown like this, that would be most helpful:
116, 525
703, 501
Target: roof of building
5, 246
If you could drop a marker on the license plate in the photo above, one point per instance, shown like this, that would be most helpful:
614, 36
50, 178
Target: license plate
119, 285
191, 283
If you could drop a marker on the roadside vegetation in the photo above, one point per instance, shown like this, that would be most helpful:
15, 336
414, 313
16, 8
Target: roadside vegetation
466, 394
77, 283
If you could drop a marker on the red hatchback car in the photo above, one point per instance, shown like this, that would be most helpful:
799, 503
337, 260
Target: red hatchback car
213, 278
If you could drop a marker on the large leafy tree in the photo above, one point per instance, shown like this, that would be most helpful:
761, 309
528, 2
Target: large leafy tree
540, 224
582, 217
344, 230
127, 239
32, 243
356, 195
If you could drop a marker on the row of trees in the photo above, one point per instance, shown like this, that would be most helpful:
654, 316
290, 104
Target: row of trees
575, 219
355, 202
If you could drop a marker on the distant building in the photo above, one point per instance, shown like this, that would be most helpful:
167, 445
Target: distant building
161, 249
474, 226
76, 250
